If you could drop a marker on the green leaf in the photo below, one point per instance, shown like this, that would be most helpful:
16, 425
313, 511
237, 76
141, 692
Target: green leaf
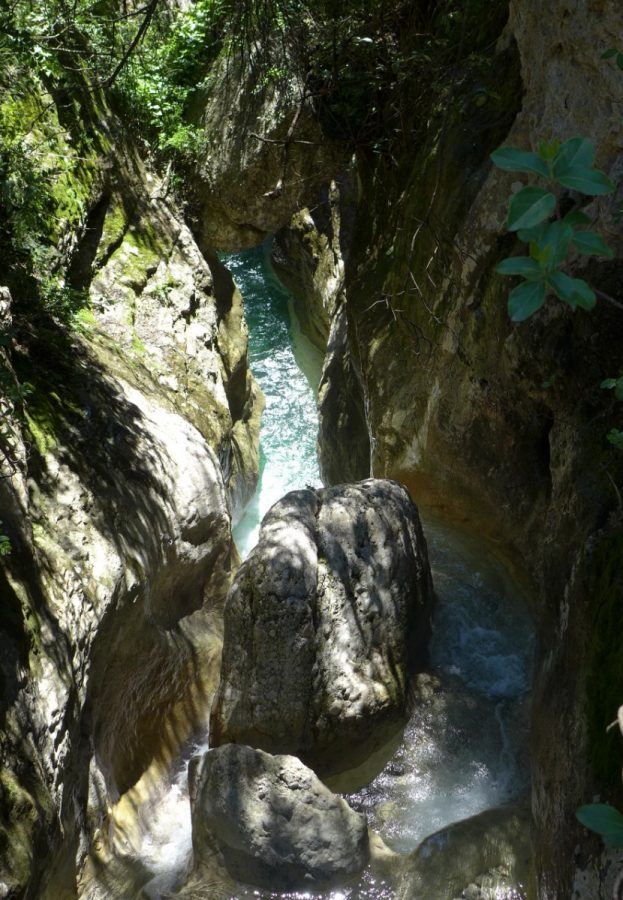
592, 244
616, 438
520, 265
557, 235
584, 295
576, 217
564, 288
608, 383
588, 181
512, 160
525, 299
608, 54
542, 254
576, 152
574, 291
531, 235
529, 207
548, 151
601, 817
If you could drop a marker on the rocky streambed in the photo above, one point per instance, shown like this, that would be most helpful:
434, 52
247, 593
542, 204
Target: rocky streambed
323, 643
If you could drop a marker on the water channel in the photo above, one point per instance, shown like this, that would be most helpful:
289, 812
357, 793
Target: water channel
464, 750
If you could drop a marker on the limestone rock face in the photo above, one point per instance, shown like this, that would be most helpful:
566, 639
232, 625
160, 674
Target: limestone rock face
309, 254
341, 413
459, 401
118, 478
266, 156
178, 317
326, 622
310, 257
273, 821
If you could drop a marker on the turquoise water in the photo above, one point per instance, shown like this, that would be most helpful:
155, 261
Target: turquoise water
279, 356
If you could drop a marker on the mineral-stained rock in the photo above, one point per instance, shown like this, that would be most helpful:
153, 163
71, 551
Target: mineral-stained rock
273, 821
325, 624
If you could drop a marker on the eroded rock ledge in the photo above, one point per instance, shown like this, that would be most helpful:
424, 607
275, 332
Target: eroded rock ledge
325, 624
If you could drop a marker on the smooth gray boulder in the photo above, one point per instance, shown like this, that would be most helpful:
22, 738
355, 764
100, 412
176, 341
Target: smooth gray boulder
272, 822
325, 624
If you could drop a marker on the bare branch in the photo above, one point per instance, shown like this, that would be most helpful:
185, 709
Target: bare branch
150, 9
283, 141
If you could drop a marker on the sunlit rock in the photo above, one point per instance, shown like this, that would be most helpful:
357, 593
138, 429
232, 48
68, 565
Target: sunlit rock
326, 623
117, 482
272, 822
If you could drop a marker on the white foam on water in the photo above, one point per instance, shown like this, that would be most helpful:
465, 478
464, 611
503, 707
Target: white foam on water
288, 459
166, 846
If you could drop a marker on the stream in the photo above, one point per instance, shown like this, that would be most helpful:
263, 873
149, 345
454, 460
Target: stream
465, 749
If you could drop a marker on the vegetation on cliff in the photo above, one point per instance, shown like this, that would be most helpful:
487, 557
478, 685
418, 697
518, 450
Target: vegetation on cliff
420, 93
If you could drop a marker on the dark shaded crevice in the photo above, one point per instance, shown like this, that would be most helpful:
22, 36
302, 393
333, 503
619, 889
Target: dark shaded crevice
80, 270
224, 285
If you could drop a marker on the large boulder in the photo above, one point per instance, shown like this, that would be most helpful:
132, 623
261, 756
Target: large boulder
272, 822
325, 624
484, 857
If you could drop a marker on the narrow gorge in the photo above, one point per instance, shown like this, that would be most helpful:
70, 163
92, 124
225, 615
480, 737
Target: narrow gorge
310, 555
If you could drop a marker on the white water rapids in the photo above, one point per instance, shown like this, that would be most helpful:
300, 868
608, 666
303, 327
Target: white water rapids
462, 753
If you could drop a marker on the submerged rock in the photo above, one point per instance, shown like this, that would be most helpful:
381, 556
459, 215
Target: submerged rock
325, 624
272, 822
484, 857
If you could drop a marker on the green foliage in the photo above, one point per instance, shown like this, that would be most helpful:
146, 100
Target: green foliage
363, 60
614, 53
605, 820
568, 165
615, 384
614, 436
160, 79
5, 544
40, 201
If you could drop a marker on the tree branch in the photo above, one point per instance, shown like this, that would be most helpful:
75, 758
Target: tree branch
150, 9
608, 298
266, 140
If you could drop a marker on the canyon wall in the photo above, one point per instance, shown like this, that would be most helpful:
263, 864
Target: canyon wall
497, 426
130, 438
139, 437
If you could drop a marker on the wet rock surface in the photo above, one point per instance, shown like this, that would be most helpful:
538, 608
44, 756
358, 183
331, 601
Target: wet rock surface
484, 857
272, 821
326, 622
